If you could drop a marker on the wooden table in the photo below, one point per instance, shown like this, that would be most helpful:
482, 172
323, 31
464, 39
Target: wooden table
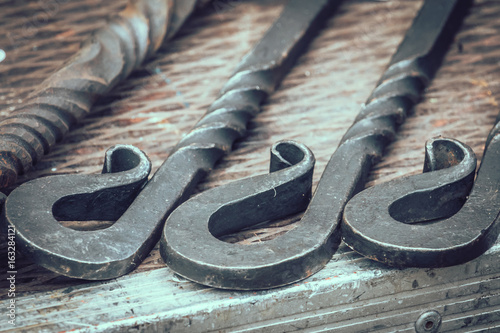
315, 105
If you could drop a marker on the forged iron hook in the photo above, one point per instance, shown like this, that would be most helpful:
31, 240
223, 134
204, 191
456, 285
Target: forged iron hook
317, 236
397, 222
407, 222
33, 207
189, 245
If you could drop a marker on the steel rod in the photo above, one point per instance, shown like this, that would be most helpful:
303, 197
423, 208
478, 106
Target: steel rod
66, 97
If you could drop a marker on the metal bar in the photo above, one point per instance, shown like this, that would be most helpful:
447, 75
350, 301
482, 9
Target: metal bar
134, 234
67, 96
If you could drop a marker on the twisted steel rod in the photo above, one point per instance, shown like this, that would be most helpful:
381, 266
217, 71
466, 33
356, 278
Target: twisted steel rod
66, 97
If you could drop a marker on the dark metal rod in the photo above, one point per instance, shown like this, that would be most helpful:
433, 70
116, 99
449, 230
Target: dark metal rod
66, 97
409, 72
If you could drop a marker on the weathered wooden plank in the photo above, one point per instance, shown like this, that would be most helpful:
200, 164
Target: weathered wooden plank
352, 293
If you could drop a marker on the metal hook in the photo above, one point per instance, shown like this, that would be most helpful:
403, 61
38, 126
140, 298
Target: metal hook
33, 207
382, 222
399, 88
232, 207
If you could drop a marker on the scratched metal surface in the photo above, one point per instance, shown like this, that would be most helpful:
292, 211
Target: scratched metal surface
315, 104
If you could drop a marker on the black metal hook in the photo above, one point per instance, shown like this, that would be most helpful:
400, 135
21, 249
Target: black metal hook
288, 258
408, 222
318, 234
33, 208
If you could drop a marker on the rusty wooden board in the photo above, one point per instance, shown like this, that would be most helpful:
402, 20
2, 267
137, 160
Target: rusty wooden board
315, 104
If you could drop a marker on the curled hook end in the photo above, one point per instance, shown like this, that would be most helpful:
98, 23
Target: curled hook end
244, 203
410, 221
36, 207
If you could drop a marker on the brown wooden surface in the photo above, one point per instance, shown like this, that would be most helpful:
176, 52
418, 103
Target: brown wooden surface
315, 104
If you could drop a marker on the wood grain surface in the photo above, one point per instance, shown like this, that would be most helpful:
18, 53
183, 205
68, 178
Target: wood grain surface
315, 103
